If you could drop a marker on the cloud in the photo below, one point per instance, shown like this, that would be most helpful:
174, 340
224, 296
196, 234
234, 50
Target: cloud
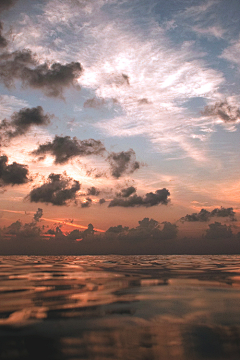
125, 79
224, 111
232, 53
148, 200
156, 93
22, 120
147, 230
224, 212
116, 49
123, 162
119, 229
12, 65
144, 101
169, 230
9, 104
198, 11
127, 191
13, 174
37, 216
201, 19
87, 203
93, 191
148, 224
3, 41
218, 231
149, 237
210, 31
24, 231
150, 228
205, 215
7, 4
58, 190
51, 78
64, 148
94, 103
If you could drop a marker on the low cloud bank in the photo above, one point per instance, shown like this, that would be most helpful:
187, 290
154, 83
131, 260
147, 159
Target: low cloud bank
149, 237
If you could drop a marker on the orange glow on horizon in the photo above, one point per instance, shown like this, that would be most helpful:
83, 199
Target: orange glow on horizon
71, 224
51, 220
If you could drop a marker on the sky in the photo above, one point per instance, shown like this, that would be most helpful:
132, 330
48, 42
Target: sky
113, 111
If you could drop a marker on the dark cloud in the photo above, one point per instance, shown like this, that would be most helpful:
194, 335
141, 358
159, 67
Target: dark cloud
205, 215
146, 230
94, 172
125, 79
65, 148
102, 201
89, 231
38, 214
14, 228
74, 235
24, 231
148, 224
52, 79
58, 190
150, 199
94, 103
13, 174
150, 228
127, 192
3, 41
6, 4
93, 191
22, 120
218, 231
226, 112
224, 212
87, 203
117, 79
149, 237
169, 230
144, 101
119, 229
123, 162
12, 65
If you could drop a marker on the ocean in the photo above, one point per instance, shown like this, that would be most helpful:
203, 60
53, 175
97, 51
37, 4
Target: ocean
120, 307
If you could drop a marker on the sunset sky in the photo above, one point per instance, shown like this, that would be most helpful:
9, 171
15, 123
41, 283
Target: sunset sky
116, 110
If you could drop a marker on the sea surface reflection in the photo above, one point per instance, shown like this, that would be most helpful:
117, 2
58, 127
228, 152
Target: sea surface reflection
120, 307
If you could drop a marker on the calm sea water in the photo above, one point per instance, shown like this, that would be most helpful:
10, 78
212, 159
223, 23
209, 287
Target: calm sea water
120, 307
